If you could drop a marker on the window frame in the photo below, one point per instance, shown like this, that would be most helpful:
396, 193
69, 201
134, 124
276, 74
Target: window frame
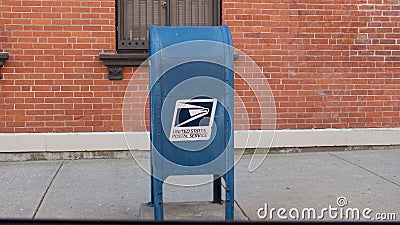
142, 45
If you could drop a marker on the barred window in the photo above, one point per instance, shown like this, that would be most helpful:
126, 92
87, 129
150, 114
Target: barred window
135, 16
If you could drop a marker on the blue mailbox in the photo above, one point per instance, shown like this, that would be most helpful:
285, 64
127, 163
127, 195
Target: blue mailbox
191, 105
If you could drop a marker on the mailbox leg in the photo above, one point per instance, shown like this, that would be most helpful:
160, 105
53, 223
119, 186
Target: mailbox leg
151, 203
217, 198
158, 199
229, 199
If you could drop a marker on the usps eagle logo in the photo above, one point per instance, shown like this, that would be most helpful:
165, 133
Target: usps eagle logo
193, 119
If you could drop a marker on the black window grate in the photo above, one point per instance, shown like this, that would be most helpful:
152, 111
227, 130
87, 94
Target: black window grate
135, 16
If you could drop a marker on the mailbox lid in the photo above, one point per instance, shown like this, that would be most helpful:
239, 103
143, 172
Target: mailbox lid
171, 46
161, 37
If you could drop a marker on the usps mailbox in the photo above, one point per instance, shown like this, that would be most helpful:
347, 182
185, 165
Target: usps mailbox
191, 105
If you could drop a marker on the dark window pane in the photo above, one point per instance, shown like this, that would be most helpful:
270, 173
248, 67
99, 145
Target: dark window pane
194, 13
135, 16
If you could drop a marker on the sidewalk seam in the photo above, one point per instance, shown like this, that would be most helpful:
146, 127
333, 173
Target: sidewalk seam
242, 210
47, 189
370, 171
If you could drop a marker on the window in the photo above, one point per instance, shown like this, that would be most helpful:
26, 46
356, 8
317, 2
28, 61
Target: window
135, 16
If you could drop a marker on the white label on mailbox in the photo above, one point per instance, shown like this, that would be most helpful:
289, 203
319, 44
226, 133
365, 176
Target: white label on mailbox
193, 119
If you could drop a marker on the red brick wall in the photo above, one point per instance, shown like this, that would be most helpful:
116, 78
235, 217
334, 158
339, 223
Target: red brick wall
54, 80
331, 64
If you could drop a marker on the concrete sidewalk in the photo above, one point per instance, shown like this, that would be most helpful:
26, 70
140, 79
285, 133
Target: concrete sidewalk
115, 189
